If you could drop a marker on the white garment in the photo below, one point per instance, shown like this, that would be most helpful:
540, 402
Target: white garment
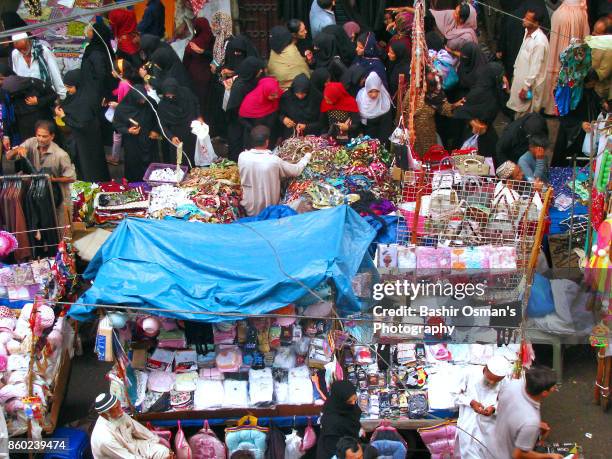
300, 386
261, 386
236, 393
530, 72
21, 68
260, 176
373, 108
126, 439
470, 424
4, 452
208, 394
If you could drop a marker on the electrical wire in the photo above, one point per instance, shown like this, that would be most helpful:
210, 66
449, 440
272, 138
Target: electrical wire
40, 229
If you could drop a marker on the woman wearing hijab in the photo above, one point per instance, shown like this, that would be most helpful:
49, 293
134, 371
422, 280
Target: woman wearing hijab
221, 27
352, 31
123, 24
296, 111
354, 79
458, 26
339, 113
399, 58
29, 100
345, 47
260, 107
482, 104
403, 30
249, 73
238, 48
368, 55
375, 104
197, 59
148, 45
285, 62
337, 69
341, 418
324, 50
166, 64
80, 113
319, 78
96, 65
177, 109
471, 63
136, 122
514, 141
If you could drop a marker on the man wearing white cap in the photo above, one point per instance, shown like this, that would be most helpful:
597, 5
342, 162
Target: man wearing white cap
477, 400
32, 59
118, 436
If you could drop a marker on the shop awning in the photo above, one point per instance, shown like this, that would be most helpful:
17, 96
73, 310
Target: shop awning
174, 265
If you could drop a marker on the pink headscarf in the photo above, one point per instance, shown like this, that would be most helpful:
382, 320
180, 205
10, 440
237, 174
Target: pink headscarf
351, 28
257, 103
455, 34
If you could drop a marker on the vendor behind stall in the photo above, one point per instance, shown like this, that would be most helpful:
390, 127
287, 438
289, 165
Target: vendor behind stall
45, 156
261, 172
118, 436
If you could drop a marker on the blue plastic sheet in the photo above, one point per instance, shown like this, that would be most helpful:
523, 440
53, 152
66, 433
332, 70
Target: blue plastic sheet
175, 265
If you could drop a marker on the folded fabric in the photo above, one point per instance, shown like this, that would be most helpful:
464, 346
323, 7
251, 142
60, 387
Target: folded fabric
300, 386
208, 394
186, 382
160, 381
261, 386
236, 393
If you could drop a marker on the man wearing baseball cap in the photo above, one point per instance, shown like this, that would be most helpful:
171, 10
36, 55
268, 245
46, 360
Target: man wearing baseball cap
477, 401
118, 436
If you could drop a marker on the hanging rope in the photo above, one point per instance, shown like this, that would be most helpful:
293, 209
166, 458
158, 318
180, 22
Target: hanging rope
417, 66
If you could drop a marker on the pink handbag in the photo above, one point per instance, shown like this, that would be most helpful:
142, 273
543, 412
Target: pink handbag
309, 439
440, 440
181, 447
164, 435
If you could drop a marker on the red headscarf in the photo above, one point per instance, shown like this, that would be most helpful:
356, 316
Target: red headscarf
123, 22
203, 33
339, 99
257, 103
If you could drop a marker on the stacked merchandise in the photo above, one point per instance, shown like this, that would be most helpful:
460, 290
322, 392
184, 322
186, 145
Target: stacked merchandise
210, 195
36, 345
410, 381
337, 172
22, 282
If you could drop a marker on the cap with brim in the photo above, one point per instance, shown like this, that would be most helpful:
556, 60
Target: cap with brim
19, 36
105, 402
498, 365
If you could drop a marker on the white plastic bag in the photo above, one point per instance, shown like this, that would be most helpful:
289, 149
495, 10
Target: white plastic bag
204, 152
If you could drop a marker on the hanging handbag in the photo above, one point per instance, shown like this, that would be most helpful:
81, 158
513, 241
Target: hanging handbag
471, 165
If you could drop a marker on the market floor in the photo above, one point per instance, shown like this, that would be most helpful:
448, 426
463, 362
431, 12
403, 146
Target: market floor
571, 412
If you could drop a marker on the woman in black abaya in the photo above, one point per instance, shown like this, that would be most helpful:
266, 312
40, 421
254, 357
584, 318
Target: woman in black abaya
178, 107
344, 45
249, 73
399, 57
96, 64
166, 64
296, 109
341, 417
324, 49
136, 122
80, 111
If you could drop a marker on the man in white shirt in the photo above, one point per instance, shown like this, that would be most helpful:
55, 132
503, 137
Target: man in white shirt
31, 58
118, 436
527, 91
476, 397
321, 15
261, 173
519, 424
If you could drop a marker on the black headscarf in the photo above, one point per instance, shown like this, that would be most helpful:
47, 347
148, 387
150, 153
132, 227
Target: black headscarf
317, 84
337, 69
346, 48
79, 107
149, 44
514, 141
246, 81
434, 40
168, 65
485, 99
280, 38
6, 70
181, 109
471, 64
100, 44
299, 110
134, 106
339, 418
324, 49
239, 47
354, 78
401, 65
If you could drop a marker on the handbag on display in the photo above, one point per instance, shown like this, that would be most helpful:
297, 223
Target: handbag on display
437, 158
440, 439
206, 445
471, 165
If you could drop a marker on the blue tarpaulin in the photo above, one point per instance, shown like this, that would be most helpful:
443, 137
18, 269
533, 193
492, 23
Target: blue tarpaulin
174, 265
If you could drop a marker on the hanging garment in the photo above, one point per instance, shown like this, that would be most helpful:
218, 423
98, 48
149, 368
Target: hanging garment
575, 64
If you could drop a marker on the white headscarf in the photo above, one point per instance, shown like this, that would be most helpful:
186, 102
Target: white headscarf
373, 108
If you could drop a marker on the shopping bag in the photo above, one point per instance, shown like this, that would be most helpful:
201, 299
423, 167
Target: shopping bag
204, 152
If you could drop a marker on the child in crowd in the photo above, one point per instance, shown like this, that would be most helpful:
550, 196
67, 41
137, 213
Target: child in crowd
532, 165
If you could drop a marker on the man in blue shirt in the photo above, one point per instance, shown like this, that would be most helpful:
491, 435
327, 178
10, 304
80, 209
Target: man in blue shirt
153, 20
321, 15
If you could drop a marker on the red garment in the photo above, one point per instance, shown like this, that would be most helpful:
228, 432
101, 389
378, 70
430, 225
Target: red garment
198, 65
257, 103
335, 97
203, 33
123, 23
